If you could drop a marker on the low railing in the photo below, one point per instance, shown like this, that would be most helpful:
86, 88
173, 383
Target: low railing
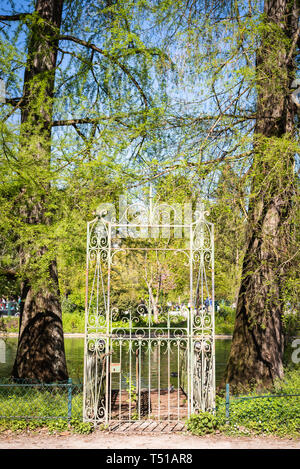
25, 399
231, 399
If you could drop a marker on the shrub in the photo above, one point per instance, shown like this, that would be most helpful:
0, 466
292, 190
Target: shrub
225, 312
57, 426
9, 324
204, 423
53, 426
73, 322
78, 426
267, 415
74, 302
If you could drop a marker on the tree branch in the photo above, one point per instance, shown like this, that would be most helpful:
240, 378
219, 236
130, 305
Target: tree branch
13, 101
207, 165
83, 120
295, 41
112, 58
17, 102
17, 17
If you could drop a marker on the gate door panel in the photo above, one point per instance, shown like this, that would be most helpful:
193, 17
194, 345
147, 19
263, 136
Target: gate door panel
148, 361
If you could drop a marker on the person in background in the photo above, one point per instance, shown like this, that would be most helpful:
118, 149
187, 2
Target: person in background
13, 307
9, 307
3, 306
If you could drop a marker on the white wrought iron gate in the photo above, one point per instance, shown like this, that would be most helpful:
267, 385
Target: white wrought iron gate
139, 366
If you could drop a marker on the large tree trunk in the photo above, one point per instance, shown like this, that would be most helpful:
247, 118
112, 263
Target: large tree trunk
256, 355
40, 353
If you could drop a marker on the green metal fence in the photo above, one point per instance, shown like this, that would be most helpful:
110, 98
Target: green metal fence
27, 400
34, 400
231, 400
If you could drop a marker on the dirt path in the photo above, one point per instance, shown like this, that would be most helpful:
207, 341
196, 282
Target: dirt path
105, 440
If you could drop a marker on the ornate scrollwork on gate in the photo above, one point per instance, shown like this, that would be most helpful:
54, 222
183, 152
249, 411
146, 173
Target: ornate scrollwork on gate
121, 345
203, 396
202, 353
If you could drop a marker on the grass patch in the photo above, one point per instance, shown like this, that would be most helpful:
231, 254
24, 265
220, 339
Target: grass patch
32, 402
52, 426
278, 416
28, 407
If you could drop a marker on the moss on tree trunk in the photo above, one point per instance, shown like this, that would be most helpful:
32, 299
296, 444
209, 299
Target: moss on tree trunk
40, 352
256, 355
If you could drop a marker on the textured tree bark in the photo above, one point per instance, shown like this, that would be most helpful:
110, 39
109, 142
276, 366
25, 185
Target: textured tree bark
40, 353
256, 355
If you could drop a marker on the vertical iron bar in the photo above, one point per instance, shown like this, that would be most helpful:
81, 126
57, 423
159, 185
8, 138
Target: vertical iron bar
96, 348
227, 403
107, 366
213, 316
139, 377
178, 380
108, 331
108, 315
110, 376
149, 377
158, 377
69, 399
149, 358
204, 312
86, 322
190, 361
137, 382
130, 364
120, 380
168, 354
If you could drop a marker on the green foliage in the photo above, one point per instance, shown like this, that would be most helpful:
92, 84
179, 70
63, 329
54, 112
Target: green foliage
277, 416
224, 320
9, 324
73, 322
255, 415
57, 426
53, 426
131, 389
41, 407
203, 423
73, 303
75, 426
224, 327
161, 97
266, 416
84, 428
291, 323
225, 312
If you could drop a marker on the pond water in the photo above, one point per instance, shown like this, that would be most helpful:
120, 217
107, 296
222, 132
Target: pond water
74, 355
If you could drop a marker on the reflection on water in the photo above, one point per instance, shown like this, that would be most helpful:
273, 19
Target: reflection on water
75, 351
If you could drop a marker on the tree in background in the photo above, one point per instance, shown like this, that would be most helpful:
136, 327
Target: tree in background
238, 133
258, 344
40, 353
194, 96
64, 141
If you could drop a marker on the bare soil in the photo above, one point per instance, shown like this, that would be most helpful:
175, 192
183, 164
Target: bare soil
109, 440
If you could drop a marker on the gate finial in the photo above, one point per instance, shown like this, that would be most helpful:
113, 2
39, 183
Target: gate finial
200, 211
